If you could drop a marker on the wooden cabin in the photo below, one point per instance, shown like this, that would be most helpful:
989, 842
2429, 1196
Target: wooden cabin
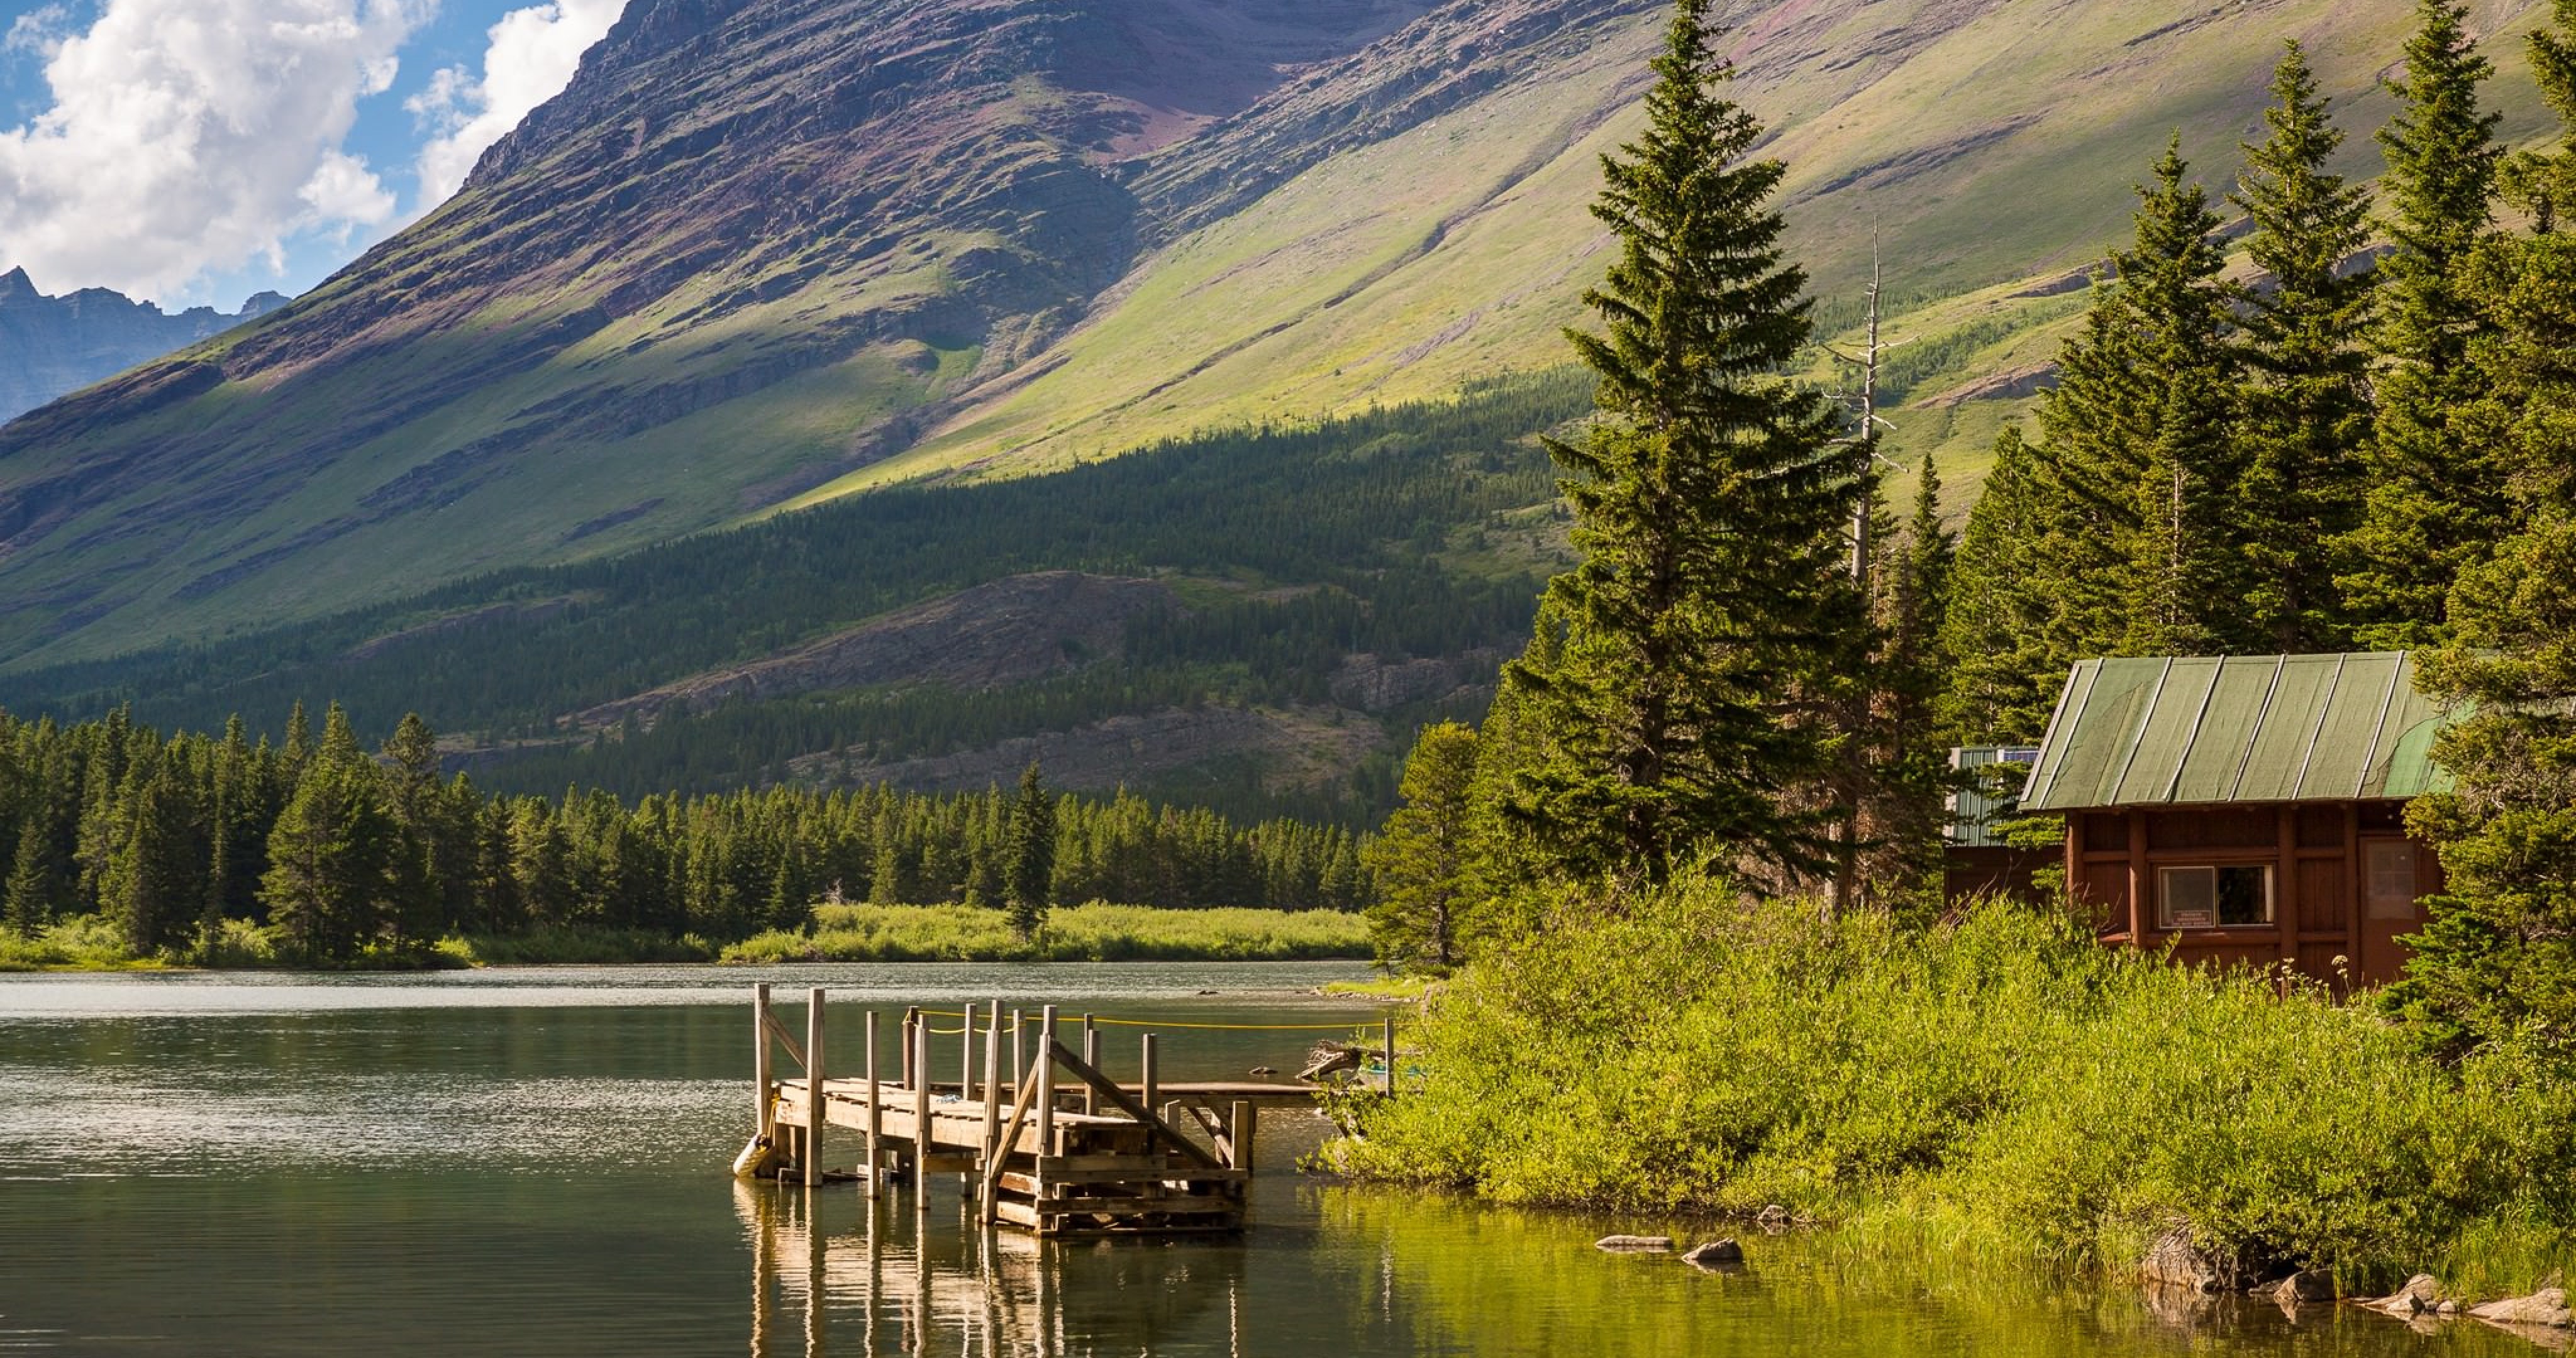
2246, 808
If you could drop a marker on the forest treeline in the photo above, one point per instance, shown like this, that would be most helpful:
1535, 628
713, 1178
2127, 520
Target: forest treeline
1339, 534
331, 854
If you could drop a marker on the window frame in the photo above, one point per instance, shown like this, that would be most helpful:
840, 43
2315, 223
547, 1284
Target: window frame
2164, 897
2370, 897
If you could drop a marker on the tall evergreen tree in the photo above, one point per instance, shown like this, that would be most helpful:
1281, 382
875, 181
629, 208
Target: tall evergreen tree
27, 903
1423, 858
1708, 500
330, 859
2496, 962
410, 761
2307, 402
2435, 500
2003, 674
161, 869
1031, 869
2187, 572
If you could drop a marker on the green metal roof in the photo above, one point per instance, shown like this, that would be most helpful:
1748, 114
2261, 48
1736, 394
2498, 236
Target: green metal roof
2202, 730
1976, 807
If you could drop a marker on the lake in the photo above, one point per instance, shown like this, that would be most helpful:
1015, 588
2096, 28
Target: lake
534, 1160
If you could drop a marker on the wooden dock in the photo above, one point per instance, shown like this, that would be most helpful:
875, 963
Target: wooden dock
1043, 1139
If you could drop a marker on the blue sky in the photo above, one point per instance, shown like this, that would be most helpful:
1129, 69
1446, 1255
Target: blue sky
198, 151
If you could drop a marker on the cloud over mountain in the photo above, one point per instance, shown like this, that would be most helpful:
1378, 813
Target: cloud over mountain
188, 136
532, 55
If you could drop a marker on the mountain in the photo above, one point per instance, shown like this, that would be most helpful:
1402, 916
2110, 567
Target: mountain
53, 346
1154, 381
768, 252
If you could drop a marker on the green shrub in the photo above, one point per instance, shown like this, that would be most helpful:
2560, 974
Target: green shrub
559, 945
80, 942
2002, 1081
1096, 932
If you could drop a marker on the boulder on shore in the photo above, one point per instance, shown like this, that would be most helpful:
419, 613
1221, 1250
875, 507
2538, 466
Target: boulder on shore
1634, 1244
2175, 1262
2302, 1286
2421, 1295
2547, 1307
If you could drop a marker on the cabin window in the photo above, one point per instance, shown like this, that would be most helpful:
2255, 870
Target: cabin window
2391, 865
2220, 897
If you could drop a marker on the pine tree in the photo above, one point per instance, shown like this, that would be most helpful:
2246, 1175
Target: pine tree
2187, 572
1030, 872
410, 760
1708, 502
27, 904
2308, 410
2435, 502
330, 858
2003, 676
2495, 964
1427, 892
299, 741
161, 868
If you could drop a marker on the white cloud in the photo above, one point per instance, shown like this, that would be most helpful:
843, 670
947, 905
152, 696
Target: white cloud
38, 30
532, 56
189, 136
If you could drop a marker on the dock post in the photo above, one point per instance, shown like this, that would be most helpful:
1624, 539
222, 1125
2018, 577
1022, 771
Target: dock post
921, 1137
814, 1118
1046, 1081
876, 1139
1019, 1053
1091, 1058
992, 1086
766, 1107
1146, 1085
966, 1079
912, 1074
1240, 1129
1390, 1057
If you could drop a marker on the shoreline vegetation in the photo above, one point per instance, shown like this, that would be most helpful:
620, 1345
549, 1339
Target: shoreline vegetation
1097, 932
1999, 1084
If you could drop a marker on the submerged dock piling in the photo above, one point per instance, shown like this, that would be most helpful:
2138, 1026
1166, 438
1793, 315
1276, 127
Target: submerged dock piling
1111, 1161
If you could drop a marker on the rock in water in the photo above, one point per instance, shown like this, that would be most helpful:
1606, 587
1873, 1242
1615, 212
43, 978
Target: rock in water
2306, 1285
2548, 1306
1634, 1244
2420, 1295
1715, 1253
2174, 1261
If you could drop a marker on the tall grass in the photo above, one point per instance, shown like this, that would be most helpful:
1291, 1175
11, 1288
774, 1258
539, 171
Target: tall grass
561, 945
1083, 933
79, 943
2002, 1083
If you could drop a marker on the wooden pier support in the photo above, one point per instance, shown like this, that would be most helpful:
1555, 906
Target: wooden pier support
876, 1115
812, 1151
1103, 1158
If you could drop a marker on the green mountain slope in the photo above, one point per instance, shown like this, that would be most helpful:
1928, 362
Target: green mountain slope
767, 252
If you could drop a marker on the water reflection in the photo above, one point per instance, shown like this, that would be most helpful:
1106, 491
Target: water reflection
836, 1272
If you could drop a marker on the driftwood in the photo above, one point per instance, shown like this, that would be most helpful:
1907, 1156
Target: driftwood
1332, 1058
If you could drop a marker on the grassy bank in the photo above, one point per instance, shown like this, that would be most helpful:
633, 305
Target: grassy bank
81, 943
2003, 1085
1082, 933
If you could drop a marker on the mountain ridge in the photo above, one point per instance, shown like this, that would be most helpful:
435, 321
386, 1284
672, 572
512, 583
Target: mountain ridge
51, 347
762, 253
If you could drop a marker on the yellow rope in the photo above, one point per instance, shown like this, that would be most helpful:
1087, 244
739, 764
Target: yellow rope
1157, 1023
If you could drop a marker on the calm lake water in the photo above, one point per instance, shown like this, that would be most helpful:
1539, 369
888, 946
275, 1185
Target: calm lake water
533, 1161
